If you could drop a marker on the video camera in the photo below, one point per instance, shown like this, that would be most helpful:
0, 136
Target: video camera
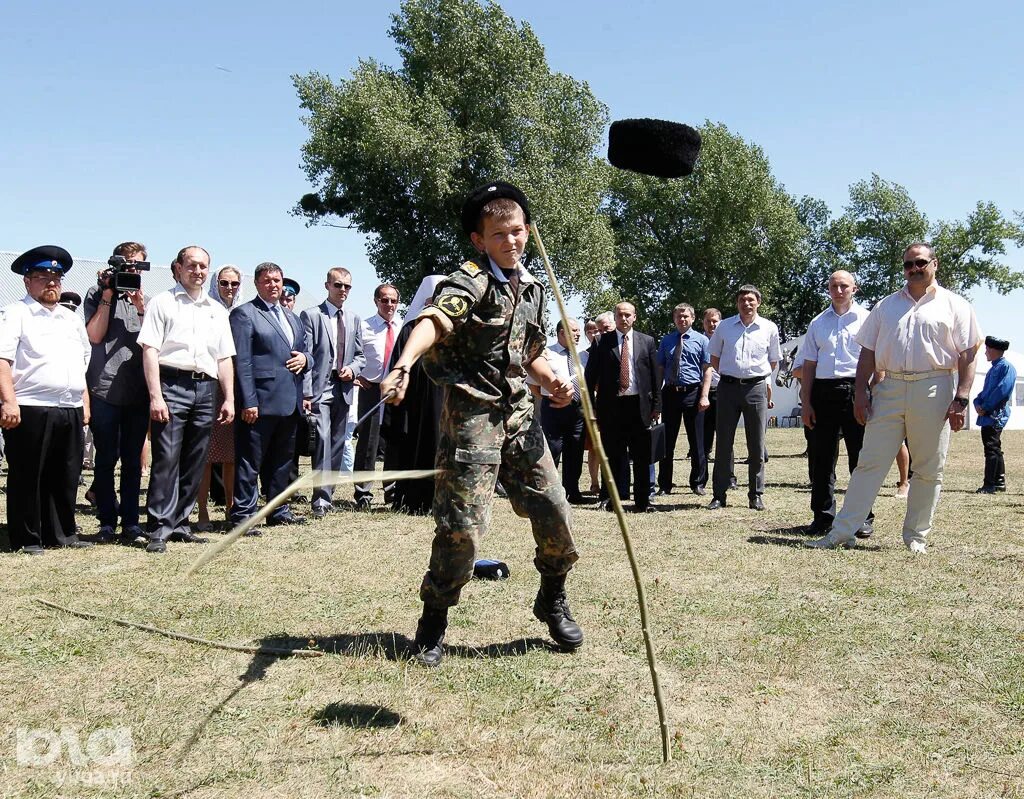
119, 278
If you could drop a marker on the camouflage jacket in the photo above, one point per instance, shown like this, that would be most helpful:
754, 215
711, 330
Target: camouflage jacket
487, 337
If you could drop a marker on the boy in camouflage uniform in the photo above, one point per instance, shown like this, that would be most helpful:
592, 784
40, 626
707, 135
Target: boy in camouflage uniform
479, 340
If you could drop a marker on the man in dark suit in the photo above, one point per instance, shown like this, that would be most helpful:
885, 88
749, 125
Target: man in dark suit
328, 385
624, 373
271, 359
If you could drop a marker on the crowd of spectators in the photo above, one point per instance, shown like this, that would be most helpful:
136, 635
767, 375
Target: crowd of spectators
222, 386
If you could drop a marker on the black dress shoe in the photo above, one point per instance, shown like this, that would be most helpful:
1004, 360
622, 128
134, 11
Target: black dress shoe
644, 509
186, 537
987, 490
757, 504
716, 504
576, 499
285, 518
866, 530
663, 492
255, 532
319, 513
78, 545
733, 484
156, 546
32, 550
699, 491
818, 530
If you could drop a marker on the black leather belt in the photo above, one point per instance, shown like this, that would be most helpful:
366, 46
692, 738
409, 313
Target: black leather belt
745, 381
183, 374
836, 381
684, 387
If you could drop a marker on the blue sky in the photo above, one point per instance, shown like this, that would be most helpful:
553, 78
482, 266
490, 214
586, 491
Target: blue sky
178, 123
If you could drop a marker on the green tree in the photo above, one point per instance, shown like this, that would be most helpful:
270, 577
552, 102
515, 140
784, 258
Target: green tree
393, 152
697, 239
882, 219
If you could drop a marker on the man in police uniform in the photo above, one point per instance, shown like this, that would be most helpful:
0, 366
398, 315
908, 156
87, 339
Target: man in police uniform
44, 352
479, 340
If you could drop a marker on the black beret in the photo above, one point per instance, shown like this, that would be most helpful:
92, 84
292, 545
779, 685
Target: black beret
291, 287
482, 195
48, 256
653, 147
997, 343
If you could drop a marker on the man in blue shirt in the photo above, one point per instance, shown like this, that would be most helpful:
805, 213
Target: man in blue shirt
993, 408
683, 357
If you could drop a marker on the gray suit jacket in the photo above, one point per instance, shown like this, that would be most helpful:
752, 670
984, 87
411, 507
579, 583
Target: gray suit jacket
319, 381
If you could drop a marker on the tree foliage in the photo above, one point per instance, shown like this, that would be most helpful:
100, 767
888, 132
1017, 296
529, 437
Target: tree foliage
393, 152
880, 221
697, 239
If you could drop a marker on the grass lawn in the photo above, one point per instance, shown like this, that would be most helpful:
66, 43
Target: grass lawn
788, 672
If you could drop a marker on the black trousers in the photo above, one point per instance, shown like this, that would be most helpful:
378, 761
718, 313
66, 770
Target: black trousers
44, 459
180, 447
832, 401
367, 439
995, 471
626, 437
749, 400
563, 429
679, 409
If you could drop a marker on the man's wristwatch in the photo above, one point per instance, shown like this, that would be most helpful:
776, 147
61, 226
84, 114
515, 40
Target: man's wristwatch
961, 402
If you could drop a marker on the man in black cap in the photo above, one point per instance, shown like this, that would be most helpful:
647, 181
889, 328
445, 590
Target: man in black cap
479, 340
289, 291
44, 352
992, 406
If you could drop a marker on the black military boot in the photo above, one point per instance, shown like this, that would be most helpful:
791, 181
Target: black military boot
429, 644
552, 608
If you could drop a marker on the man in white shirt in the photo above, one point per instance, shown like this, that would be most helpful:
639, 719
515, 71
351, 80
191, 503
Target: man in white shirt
379, 334
828, 366
186, 346
44, 352
925, 339
563, 426
744, 351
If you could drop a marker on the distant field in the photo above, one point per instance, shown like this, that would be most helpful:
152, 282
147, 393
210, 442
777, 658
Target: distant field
788, 672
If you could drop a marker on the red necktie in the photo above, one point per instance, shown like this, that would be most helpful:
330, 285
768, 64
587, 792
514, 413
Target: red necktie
624, 366
389, 344
340, 345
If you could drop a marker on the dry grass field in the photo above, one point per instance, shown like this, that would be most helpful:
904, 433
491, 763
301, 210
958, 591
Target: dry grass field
787, 672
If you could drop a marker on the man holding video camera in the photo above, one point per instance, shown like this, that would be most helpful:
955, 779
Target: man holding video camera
114, 310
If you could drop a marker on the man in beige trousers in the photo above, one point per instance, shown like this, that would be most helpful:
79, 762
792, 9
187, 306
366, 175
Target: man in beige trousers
924, 338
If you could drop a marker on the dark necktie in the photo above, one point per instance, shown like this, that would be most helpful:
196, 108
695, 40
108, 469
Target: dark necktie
572, 375
624, 366
679, 356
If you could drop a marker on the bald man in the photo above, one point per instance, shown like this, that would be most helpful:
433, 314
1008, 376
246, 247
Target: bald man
829, 355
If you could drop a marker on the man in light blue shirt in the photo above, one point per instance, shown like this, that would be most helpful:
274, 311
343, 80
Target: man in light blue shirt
683, 356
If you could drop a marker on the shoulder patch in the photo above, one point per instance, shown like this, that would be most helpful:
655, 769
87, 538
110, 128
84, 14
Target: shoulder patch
453, 305
470, 268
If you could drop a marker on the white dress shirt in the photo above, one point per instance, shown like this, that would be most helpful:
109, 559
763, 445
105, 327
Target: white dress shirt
746, 351
332, 325
374, 342
922, 335
188, 334
49, 352
832, 344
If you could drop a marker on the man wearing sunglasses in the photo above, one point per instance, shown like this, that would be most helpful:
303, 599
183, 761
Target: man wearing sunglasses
379, 334
924, 338
334, 339
119, 398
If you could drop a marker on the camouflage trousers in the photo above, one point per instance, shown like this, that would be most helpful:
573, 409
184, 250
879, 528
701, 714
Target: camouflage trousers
475, 449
